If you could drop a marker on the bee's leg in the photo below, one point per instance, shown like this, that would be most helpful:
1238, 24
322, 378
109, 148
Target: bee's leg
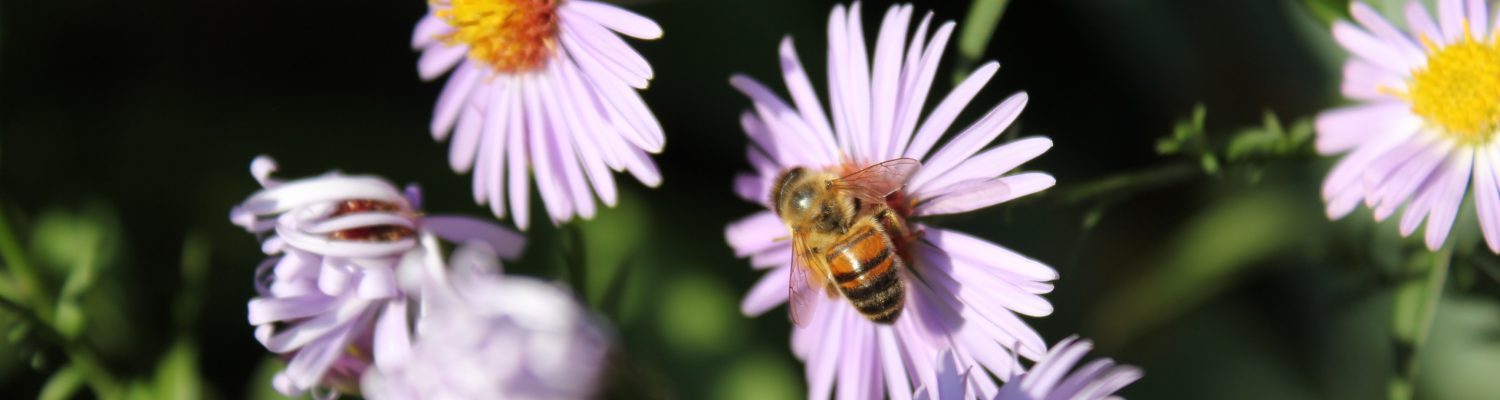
893, 224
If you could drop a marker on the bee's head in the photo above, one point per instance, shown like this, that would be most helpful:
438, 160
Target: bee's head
790, 196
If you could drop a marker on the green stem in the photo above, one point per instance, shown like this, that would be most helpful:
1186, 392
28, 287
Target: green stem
1127, 183
577, 261
1402, 386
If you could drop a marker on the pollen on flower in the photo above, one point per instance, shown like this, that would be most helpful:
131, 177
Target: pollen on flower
377, 233
508, 35
1458, 90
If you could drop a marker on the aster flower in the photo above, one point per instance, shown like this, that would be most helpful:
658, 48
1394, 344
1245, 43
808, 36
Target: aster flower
487, 336
327, 298
1052, 378
1426, 122
544, 84
961, 291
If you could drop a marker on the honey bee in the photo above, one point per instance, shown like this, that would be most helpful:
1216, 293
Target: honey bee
844, 238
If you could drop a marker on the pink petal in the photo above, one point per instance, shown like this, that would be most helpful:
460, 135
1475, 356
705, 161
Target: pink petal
1353, 166
1451, 16
1487, 195
857, 74
885, 81
769, 292
455, 94
989, 164
519, 181
265, 310
506, 244
1405, 181
1341, 129
962, 245
549, 182
437, 60
616, 19
754, 233
1369, 48
946, 111
427, 31
960, 148
392, 341
920, 86
1387, 33
803, 94
1445, 209
896, 382
1478, 14
1421, 22
1365, 81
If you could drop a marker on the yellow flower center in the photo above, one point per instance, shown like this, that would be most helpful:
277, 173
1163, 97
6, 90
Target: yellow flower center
1458, 90
509, 35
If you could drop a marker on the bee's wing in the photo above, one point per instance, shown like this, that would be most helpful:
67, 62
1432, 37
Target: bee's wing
804, 284
879, 180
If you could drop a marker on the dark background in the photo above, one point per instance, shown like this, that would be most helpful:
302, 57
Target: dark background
139, 120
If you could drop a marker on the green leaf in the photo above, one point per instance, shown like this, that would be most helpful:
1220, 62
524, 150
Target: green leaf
62, 385
1204, 257
177, 373
260, 381
975, 34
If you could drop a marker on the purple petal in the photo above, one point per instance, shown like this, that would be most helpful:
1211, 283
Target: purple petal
751, 188
1387, 33
519, 190
946, 111
921, 86
989, 164
1487, 195
837, 86
801, 89
1445, 208
980, 193
427, 31
1478, 14
582, 121
439, 59
308, 366
549, 182
755, 233
1421, 23
616, 19
505, 243
769, 292
392, 341
1365, 81
1407, 179
896, 381
885, 79
971, 140
986, 253
1348, 171
822, 364
857, 75
265, 310
1369, 47
586, 36
1341, 129
1451, 18
564, 153
455, 94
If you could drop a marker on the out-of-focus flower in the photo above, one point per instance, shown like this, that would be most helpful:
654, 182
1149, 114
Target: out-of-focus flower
327, 298
1426, 122
1052, 378
546, 85
486, 336
961, 291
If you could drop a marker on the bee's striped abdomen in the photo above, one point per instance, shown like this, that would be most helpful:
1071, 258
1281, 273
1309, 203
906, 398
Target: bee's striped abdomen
866, 269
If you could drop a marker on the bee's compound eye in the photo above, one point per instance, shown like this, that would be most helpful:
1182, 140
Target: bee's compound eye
802, 199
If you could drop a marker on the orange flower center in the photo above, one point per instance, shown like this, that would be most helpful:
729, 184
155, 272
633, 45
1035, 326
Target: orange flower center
508, 35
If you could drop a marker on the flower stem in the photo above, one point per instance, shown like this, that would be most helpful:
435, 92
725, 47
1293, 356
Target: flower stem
1127, 183
1414, 311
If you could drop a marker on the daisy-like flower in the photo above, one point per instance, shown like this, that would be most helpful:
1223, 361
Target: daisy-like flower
961, 291
1052, 378
545, 85
1426, 122
482, 335
328, 298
